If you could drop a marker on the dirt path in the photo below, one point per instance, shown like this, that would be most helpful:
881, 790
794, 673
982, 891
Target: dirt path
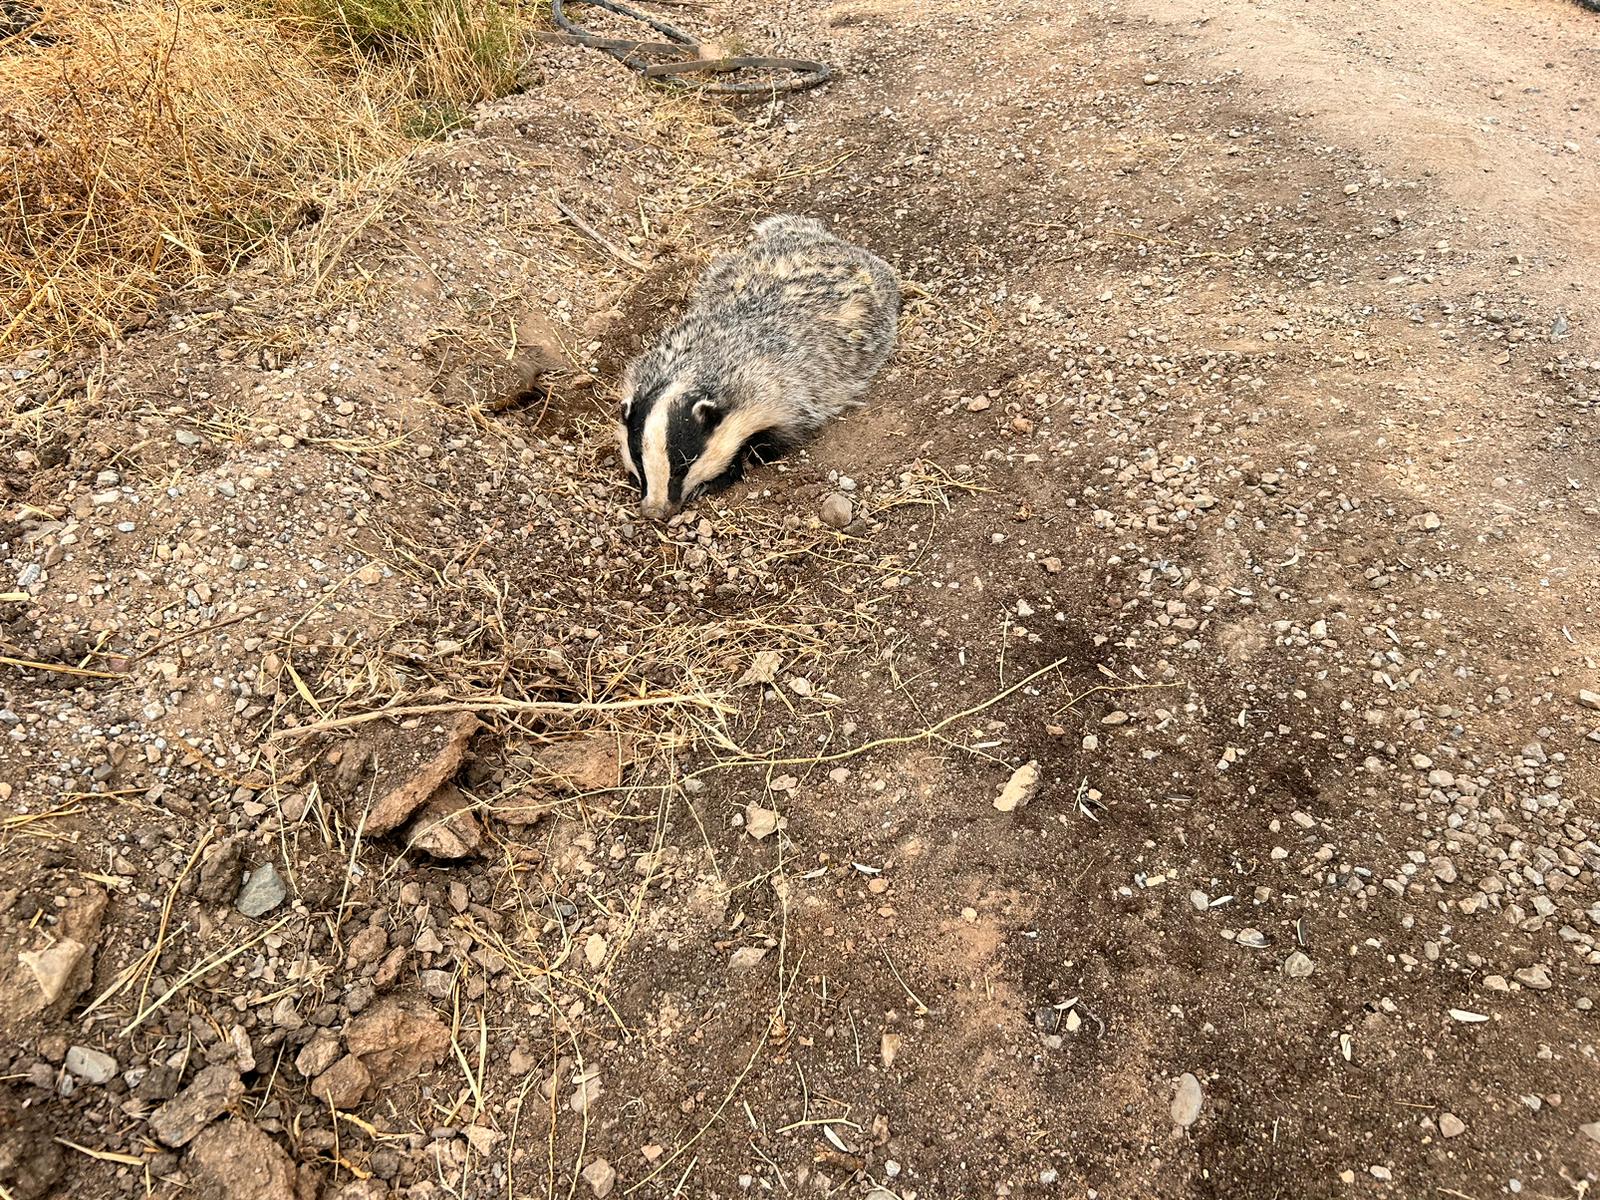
1237, 469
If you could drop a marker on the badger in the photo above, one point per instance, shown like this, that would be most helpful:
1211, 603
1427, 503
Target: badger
778, 338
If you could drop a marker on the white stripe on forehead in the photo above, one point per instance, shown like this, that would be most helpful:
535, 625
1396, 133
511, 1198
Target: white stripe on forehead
653, 445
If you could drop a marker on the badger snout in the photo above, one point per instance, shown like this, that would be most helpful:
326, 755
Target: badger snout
656, 509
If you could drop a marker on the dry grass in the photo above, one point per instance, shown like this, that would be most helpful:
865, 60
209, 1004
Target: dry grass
146, 144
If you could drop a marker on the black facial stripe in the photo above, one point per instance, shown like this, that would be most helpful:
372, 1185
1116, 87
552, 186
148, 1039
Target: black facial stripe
686, 438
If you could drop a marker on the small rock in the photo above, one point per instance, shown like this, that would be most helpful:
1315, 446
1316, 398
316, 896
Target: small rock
89, 1065
759, 822
317, 1055
889, 1048
1536, 977
234, 1160
1298, 966
1589, 699
837, 511
1151, 80
1591, 1131
1019, 789
594, 951
1381, 1172
262, 892
1427, 522
601, 1177
746, 957
1186, 1101
1251, 939
220, 872
55, 968
210, 1094
343, 1085
1451, 1125
185, 437
445, 827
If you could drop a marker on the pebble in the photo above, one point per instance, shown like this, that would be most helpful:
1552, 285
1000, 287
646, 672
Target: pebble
90, 1065
1298, 966
1186, 1101
1589, 699
262, 892
1451, 1125
759, 822
600, 1177
837, 511
746, 957
185, 437
1019, 789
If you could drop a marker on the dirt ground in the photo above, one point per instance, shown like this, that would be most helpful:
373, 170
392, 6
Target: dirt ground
1237, 469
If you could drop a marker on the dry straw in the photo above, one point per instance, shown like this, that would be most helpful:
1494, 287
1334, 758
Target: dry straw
144, 145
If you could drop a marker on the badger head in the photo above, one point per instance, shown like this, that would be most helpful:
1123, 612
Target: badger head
681, 432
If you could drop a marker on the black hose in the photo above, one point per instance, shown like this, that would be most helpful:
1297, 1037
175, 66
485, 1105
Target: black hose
805, 74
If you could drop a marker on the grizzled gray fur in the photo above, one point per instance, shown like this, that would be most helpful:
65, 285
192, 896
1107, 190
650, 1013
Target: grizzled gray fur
779, 338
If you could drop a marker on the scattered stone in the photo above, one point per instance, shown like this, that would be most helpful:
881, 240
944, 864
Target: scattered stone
445, 827
1186, 1101
759, 822
234, 1160
1451, 1125
889, 1048
1535, 976
1251, 939
262, 892
1019, 789
600, 1177
317, 1055
594, 951
343, 1085
1589, 699
1591, 1131
746, 957
210, 1094
56, 969
1298, 966
1428, 522
837, 511
397, 1039
89, 1065
396, 805
220, 872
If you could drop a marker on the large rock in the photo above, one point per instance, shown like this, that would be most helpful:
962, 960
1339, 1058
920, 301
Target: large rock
426, 777
397, 1039
233, 1160
210, 1094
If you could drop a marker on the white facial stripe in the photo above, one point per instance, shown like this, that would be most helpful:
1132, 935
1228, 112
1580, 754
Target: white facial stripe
726, 441
627, 453
657, 472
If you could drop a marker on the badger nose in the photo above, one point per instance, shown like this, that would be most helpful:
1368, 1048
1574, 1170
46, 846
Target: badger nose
656, 510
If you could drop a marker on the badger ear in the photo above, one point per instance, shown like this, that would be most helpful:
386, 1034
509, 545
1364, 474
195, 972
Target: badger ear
709, 413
